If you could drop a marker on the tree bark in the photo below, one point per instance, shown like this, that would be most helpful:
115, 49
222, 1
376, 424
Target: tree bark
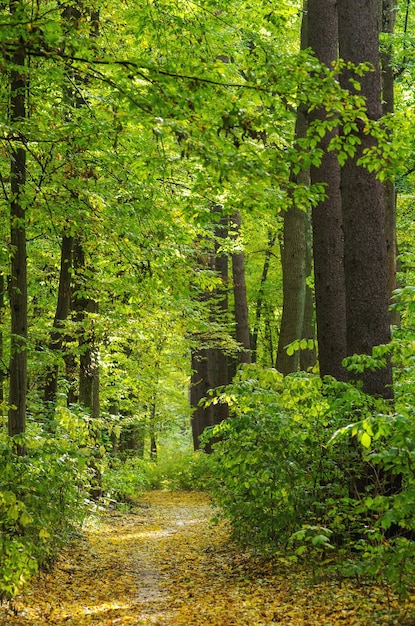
18, 274
63, 306
330, 292
308, 357
365, 255
240, 301
388, 106
293, 255
293, 261
210, 367
272, 237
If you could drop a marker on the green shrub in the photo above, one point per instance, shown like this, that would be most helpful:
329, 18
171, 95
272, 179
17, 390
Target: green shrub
177, 468
272, 466
311, 465
42, 497
125, 479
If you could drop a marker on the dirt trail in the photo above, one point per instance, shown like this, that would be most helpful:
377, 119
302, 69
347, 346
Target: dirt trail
166, 564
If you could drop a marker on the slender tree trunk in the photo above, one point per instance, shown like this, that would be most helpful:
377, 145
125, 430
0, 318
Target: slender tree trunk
261, 292
388, 106
199, 386
240, 301
152, 429
308, 357
88, 352
365, 255
294, 273
293, 256
210, 366
18, 275
62, 311
327, 216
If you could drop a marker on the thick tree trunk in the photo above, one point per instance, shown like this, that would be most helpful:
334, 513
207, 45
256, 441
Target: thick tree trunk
365, 255
327, 216
240, 301
18, 274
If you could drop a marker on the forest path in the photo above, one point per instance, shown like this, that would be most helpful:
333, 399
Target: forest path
165, 563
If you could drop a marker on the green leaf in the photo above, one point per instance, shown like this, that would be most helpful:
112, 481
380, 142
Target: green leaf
366, 440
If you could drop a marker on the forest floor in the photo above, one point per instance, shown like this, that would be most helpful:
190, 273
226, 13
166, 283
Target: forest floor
166, 563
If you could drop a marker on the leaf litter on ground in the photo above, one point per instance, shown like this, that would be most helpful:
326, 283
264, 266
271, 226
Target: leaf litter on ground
165, 562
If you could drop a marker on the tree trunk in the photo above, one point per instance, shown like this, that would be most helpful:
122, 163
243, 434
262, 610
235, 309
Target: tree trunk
199, 385
88, 351
308, 357
327, 216
365, 255
18, 275
293, 256
240, 301
293, 261
62, 311
388, 106
260, 298
210, 367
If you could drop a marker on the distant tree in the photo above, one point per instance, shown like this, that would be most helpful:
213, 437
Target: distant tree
240, 301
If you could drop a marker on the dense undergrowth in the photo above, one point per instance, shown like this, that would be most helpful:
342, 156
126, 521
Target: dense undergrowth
313, 470
322, 471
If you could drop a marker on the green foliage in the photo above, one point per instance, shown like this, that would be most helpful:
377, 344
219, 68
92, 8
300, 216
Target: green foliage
181, 470
176, 468
308, 466
272, 466
42, 497
124, 480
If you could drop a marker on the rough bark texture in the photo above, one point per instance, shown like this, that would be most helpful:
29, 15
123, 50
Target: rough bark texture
327, 216
18, 274
365, 256
240, 301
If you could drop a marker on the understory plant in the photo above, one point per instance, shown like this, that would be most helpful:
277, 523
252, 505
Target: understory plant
42, 495
317, 468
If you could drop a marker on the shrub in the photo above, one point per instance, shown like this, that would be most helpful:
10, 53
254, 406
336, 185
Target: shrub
42, 497
309, 465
